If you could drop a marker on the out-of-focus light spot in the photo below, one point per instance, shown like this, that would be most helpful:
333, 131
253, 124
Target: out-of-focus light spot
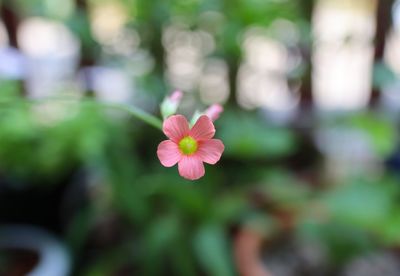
285, 31
139, 63
213, 86
396, 15
258, 89
262, 78
43, 37
342, 77
184, 65
392, 51
265, 54
108, 20
343, 57
333, 22
13, 63
52, 53
390, 99
175, 36
3, 35
348, 152
125, 42
289, 34
185, 54
109, 84
211, 21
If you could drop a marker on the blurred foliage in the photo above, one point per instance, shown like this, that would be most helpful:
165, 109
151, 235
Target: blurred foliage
342, 241
34, 143
381, 131
361, 203
383, 76
285, 190
249, 137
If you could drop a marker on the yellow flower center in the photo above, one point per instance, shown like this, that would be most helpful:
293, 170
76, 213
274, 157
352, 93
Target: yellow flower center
188, 145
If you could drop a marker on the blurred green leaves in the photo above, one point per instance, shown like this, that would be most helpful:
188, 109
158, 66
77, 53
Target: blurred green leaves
283, 189
381, 131
383, 76
39, 139
248, 137
361, 203
212, 250
340, 241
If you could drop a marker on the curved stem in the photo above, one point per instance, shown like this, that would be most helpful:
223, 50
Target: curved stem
132, 110
137, 113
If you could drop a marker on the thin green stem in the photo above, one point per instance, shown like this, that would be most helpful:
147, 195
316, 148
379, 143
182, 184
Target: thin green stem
137, 113
131, 110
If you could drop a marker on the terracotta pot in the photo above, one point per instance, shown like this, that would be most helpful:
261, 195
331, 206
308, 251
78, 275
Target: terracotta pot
247, 249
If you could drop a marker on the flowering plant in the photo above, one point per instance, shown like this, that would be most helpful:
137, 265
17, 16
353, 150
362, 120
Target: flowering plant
189, 147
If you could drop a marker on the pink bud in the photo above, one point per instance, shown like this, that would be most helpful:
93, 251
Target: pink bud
214, 111
171, 103
176, 96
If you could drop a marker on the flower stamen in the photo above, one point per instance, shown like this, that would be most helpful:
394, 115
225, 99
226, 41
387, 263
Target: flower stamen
188, 145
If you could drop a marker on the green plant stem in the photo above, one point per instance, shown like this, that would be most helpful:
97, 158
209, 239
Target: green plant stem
131, 110
136, 112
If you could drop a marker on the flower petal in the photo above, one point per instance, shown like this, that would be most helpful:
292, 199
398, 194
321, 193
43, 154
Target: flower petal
191, 167
210, 151
176, 127
203, 129
168, 153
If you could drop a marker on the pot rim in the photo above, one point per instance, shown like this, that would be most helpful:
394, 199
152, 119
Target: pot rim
54, 258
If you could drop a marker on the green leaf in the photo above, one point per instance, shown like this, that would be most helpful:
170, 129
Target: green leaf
360, 204
249, 137
382, 133
211, 247
390, 230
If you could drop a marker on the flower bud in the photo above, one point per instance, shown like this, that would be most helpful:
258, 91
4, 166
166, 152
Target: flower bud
214, 111
170, 104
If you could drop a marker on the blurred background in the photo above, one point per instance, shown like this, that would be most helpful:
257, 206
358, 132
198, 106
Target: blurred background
309, 183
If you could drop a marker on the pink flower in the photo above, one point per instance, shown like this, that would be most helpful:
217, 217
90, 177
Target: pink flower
189, 147
214, 111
